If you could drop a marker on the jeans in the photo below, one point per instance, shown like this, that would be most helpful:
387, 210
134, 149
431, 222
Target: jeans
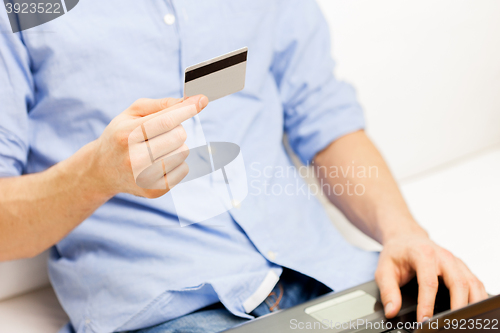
292, 289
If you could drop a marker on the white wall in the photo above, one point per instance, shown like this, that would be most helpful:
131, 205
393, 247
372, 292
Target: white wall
427, 73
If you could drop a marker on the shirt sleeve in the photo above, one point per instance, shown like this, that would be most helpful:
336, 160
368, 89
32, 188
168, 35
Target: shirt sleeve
16, 96
318, 108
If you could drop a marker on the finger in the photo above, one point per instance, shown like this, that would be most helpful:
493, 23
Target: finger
143, 151
139, 134
424, 263
199, 101
144, 154
146, 106
387, 281
175, 176
477, 292
172, 178
175, 158
173, 117
153, 176
167, 142
456, 282
140, 154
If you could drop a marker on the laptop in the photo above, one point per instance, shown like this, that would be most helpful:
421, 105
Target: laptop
359, 309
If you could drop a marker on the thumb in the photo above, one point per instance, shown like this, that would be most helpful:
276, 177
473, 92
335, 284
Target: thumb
146, 106
389, 289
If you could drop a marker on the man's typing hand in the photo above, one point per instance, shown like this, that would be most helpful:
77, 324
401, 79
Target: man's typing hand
382, 214
119, 156
413, 253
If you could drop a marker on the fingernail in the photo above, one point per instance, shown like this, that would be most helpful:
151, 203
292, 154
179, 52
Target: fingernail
425, 319
388, 308
203, 102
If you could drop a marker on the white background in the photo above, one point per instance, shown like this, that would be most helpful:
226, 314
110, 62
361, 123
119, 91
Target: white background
427, 73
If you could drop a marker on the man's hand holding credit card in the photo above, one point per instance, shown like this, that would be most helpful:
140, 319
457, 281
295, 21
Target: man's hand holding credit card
157, 146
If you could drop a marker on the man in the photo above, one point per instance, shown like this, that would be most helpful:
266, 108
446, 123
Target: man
75, 88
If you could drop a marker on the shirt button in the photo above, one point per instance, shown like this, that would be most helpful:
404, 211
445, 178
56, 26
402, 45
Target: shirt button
169, 19
271, 255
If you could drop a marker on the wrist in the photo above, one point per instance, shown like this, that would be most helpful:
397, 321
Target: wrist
96, 171
85, 173
401, 227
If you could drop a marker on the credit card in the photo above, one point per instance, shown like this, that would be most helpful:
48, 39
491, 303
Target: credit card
217, 77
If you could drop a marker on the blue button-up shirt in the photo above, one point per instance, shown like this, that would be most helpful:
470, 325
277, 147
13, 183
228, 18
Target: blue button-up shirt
130, 264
